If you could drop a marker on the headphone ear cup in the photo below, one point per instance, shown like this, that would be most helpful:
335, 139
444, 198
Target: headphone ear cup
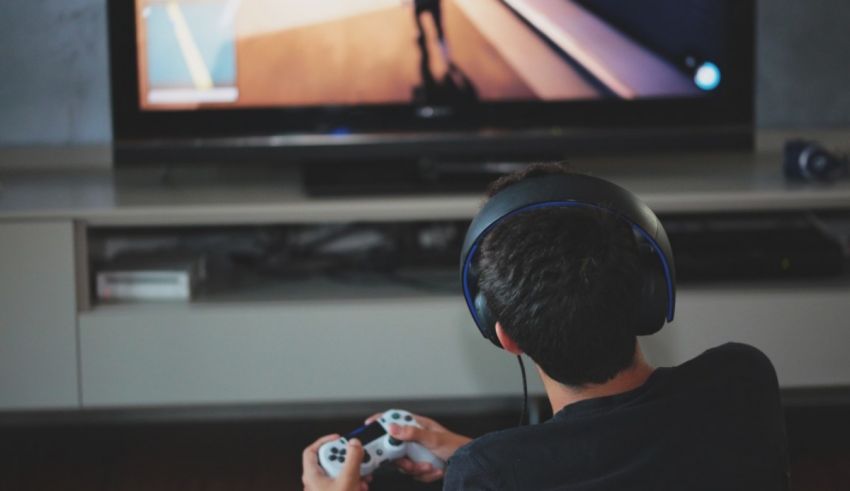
654, 298
486, 320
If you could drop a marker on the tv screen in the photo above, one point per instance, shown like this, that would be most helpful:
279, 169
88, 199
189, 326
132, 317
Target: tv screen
442, 71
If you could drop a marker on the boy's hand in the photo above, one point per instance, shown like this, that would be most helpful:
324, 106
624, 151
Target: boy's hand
315, 478
433, 436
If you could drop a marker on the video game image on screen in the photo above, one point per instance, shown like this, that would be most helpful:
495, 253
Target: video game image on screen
294, 53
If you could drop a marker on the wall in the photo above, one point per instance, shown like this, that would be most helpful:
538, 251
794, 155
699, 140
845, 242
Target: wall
803, 69
54, 86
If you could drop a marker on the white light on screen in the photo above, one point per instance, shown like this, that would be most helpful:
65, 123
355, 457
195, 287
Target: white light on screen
708, 76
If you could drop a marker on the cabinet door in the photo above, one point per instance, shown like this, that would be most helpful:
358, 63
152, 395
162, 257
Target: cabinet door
38, 342
289, 352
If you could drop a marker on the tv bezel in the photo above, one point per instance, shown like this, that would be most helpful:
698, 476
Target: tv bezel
537, 129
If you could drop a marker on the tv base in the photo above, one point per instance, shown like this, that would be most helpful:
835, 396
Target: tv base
403, 177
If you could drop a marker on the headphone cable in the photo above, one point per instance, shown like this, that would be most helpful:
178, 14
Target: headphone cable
524, 392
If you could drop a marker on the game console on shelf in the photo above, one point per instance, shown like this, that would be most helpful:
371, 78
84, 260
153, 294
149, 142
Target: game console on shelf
378, 446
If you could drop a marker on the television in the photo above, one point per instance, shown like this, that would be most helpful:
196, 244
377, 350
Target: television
399, 80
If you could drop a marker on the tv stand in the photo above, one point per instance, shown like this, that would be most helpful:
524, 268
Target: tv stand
268, 338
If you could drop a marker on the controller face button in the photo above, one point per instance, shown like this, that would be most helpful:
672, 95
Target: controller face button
408, 418
342, 460
334, 450
396, 415
332, 458
394, 442
342, 452
379, 452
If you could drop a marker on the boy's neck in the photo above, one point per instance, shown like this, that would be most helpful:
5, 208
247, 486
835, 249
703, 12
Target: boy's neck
631, 378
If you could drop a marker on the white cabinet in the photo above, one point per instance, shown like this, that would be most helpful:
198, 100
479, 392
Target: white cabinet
38, 347
415, 348
289, 352
802, 326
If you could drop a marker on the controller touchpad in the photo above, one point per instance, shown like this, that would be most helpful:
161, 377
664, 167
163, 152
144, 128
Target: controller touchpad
368, 433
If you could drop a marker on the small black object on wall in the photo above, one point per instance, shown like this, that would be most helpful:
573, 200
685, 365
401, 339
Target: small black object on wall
808, 160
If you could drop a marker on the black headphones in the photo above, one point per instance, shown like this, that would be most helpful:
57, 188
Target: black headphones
658, 293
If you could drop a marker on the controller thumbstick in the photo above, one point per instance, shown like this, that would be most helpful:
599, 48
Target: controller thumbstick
394, 441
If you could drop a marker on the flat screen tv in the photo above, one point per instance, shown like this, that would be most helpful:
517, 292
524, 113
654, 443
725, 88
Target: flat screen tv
343, 80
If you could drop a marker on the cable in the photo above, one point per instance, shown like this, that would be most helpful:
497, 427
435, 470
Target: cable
524, 392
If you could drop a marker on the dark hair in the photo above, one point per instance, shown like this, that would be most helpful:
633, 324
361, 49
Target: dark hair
565, 285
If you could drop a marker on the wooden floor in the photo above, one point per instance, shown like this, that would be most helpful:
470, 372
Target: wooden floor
258, 456
249, 456
819, 444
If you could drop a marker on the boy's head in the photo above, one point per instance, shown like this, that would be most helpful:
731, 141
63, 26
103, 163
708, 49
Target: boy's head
565, 284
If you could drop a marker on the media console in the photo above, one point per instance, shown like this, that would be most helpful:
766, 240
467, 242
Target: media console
293, 340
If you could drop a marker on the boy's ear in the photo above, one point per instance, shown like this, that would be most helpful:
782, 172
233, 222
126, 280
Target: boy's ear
507, 342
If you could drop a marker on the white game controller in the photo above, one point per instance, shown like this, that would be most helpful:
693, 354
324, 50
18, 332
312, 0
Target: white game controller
378, 446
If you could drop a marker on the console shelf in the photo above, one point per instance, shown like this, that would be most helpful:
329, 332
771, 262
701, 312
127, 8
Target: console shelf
687, 183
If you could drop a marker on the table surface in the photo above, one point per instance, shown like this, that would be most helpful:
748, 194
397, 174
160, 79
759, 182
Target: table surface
670, 184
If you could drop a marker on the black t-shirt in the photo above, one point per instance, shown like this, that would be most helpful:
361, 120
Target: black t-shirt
713, 423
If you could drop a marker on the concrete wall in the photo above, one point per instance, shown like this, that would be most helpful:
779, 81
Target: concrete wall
54, 84
803, 73
54, 81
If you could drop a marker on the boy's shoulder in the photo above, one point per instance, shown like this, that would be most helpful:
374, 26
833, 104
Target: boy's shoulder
738, 359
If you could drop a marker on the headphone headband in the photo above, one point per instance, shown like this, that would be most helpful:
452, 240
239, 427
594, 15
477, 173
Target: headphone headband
564, 191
